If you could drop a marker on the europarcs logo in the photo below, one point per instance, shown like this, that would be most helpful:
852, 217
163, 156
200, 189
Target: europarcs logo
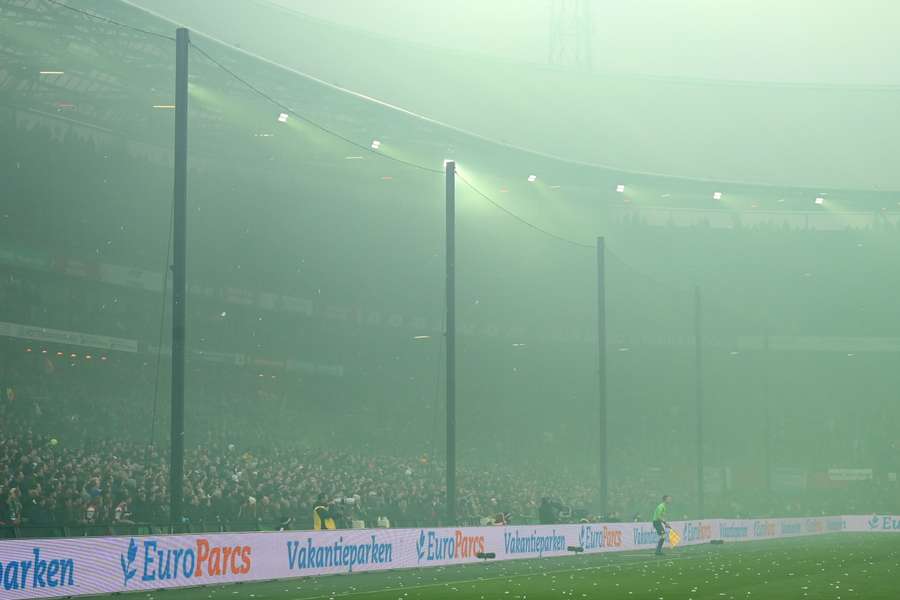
884, 523
591, 537
431, 546
147, 561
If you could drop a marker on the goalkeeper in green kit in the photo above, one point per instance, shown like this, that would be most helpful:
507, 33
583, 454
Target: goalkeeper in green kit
659, 522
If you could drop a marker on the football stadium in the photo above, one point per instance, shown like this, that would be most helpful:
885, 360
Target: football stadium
382, 299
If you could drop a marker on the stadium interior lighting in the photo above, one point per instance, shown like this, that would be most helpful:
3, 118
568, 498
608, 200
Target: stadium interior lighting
51, 72
820, 200
282, 118
376, 144
620, 188
532, 178
717, 195
165, 106
353, 158
422, 337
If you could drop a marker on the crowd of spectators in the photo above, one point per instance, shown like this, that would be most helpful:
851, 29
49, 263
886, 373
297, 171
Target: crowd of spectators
73, 452
46, 482
53, 481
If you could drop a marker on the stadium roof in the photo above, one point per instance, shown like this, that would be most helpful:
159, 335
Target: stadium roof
827, 127
113, 72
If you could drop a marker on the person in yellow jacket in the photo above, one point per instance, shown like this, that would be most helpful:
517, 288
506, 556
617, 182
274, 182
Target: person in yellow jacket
322, 518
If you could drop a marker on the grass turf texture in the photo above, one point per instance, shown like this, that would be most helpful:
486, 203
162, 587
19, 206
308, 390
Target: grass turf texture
840, 566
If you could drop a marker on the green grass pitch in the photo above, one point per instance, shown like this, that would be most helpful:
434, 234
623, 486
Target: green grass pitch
835, 567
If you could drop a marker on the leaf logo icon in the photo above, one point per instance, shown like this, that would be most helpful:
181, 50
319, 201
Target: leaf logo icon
420, 545
127, 562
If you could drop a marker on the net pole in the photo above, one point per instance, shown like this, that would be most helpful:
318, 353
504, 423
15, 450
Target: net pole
450, 336
179, 296
603, 428
698, 371
768, 413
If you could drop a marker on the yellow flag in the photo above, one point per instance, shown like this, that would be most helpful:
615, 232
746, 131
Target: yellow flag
674, 538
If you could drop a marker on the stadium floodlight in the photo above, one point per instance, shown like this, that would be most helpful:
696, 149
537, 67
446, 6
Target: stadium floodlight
376, 144
165, 106
717, 195
51, 72
820, 200
422, 337
532, 178
353, 158
282, 118
620, 188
